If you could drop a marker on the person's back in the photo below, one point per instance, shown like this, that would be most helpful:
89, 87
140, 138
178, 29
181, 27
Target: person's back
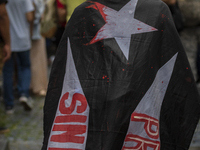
120, 80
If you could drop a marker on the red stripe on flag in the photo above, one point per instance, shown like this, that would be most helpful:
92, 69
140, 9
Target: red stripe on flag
71, 118
149, 122
63, 149
141, 143
70, 135
71, 108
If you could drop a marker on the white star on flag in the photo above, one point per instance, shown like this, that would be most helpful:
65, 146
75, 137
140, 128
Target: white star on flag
150, 105
120, 25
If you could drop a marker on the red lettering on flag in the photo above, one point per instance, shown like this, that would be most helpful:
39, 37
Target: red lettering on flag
70, 135
149, 123
141, 143
71, 118
70, 109
63, 149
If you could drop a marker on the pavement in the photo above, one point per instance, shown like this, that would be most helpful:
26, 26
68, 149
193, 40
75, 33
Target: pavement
25, 128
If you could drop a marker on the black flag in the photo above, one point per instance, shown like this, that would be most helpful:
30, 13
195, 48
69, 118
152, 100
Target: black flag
120, 81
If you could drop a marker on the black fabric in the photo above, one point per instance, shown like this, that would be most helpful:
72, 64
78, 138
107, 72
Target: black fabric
177, 16
198, 62
112, 101
3, 1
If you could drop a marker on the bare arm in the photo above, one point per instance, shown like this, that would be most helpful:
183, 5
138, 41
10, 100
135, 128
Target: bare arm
4, 31
61, 14
30, 18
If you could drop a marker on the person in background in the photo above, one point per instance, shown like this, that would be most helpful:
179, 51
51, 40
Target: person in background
38, 54
190, 37
55, 19
70, 6
176, 14
5, 51
4, 32
169, 2
61, 11
191, 32
21, 16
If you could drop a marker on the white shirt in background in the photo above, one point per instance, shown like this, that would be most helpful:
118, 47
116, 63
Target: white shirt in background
19, 26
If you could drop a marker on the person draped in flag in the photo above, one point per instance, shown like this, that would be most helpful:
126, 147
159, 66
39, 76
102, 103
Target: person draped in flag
120, 81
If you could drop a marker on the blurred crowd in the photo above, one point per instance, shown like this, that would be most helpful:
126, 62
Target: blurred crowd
35, 28
30, 31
